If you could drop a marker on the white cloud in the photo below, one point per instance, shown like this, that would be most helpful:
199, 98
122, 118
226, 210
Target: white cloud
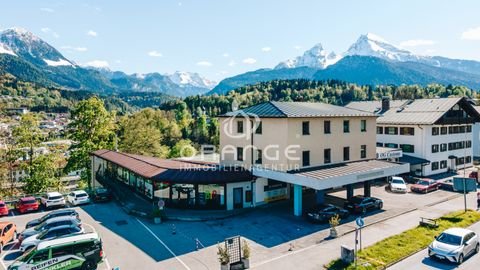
297, 47
204, 64
49, 10
226, 55
97, 64
430, 51
416, 42
266, 49
47, 30
77, 49
249, 61
232, 63
92, 33
471, 34
155, 53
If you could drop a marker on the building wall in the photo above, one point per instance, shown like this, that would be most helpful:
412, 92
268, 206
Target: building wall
281, 134
422, 140
476, 140
246, 186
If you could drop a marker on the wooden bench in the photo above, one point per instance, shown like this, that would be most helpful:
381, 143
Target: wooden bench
428, 222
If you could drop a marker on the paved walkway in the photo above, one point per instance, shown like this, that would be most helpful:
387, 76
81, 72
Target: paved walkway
316, 256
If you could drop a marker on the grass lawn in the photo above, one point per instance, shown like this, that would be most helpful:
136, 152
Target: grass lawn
393, 248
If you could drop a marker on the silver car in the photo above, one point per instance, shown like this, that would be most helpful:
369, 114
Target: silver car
454, 245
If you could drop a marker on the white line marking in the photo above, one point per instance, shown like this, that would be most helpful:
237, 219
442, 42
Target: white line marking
107, 264
90, 226
163, 244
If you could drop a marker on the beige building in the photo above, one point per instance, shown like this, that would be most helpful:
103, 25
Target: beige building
307, 145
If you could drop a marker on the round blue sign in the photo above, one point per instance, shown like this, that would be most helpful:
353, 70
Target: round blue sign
360, 222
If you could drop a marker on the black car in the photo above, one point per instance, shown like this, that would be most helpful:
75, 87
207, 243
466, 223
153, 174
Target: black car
323, 213
101, 195
361, 204
56, 213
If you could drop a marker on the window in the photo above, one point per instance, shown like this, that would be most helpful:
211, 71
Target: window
346, 126
435, 166
460, 161
363, 151
407, 148
240, 127
468, 143
379, 144
305, 158
327, 156
363, 125
462, 129
443, 164
379, 130
391, 145
259, 128
306, 128
434, 148
41, 255
407, 131
391, 130
435, 131
443, 130
468, 159
259, 157
326, 127
346, 153
469, 128
240, 153
443, 147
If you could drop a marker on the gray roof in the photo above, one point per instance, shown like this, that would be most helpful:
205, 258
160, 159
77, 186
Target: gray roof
275, 109
375, 106
419, 111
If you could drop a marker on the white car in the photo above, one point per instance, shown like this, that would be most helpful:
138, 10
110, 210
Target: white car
454, 245
53, 199
397, 184
78, 197
49, 234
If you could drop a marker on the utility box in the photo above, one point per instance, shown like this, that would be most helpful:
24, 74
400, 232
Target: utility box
347, 254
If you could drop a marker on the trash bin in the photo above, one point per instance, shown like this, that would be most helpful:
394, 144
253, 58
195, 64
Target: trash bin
347, 254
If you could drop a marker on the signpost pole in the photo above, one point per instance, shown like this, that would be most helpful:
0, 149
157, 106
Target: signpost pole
356, 242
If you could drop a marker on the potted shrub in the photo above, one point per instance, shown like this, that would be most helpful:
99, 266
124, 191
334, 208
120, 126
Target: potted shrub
223, 257
157, 216
334, 222
245, 254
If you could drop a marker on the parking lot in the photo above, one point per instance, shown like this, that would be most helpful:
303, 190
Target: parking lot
273, 231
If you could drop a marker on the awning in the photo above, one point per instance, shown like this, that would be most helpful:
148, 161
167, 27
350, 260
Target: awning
413, 160
452, 157
213, 175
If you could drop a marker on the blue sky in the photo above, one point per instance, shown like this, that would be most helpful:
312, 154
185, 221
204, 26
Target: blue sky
227, 37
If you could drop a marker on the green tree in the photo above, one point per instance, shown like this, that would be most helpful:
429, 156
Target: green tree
28, 134
183, 148
92, 128
42, 174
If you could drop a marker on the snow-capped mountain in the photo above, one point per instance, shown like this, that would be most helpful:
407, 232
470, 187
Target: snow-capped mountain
316, 57
22, 43
184, 78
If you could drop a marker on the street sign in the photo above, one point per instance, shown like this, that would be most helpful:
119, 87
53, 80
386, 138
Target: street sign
470, 183
360, 222
161, 204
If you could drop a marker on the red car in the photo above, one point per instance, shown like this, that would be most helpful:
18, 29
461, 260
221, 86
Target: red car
27, 204
425, 186
3, 209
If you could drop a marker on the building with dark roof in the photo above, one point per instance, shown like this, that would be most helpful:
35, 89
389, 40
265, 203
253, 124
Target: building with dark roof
435, 133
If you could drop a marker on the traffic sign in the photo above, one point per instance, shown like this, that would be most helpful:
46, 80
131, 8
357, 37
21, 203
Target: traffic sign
360, 222
161, 204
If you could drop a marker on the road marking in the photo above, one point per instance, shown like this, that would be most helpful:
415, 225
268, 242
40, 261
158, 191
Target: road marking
90, 226
163, 244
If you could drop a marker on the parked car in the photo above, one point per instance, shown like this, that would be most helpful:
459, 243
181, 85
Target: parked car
411, 179
49, 234
397, 184
474, 175
53, 214
102, 195
454, 245
360, 204
425, 186
323, 213
27, 204
47, 224
53, 199
3, 209
78, 197
447, 185
8, 233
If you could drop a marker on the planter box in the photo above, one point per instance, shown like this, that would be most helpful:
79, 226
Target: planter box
157, 220
224, 266
246, 263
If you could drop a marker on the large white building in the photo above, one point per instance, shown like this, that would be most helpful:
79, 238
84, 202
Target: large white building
434, 134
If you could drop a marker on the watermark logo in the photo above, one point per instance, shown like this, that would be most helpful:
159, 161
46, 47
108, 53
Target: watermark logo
240, 125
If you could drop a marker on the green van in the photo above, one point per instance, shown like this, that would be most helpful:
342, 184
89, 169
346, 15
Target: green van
74, 252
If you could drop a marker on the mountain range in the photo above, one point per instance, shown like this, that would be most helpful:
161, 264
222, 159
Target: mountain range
370, 60
29, 58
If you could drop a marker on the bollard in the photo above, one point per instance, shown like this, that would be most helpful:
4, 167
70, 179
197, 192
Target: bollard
174, 230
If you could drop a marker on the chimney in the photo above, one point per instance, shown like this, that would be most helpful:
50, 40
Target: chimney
385, 104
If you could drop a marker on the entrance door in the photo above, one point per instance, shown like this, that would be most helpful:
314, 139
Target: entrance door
237, 198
